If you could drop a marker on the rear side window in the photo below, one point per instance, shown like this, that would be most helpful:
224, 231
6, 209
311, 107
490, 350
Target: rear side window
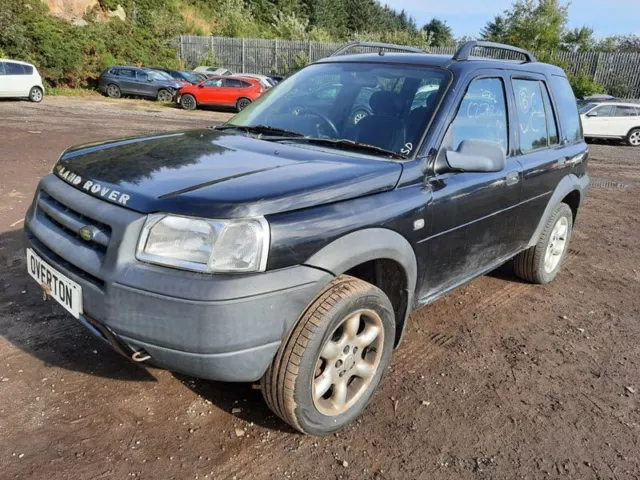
233, 83
125, 72
28, 69
536, 119
482, 114
567, 109
142, 76
13, 68
625, 111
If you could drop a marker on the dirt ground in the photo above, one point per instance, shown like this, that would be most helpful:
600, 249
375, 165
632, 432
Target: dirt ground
499, 380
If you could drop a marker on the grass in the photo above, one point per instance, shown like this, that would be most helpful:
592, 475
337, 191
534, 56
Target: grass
72, 92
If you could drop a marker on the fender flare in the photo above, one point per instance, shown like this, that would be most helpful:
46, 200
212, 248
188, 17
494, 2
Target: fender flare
570, 183
369, 244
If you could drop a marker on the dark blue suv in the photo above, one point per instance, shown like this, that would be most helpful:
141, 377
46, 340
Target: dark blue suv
137, 81
291, 247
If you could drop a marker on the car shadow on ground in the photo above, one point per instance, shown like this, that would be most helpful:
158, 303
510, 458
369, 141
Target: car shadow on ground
243, 400
45, 330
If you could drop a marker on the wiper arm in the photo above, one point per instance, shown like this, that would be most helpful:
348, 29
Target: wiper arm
260, 129
341, 142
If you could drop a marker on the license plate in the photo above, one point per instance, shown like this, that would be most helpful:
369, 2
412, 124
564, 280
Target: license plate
54, 284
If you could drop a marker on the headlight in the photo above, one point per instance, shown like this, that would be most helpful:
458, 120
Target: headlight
204, 245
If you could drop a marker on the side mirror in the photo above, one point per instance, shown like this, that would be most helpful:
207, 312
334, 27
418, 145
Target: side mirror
592, 114
477, 156
200, 85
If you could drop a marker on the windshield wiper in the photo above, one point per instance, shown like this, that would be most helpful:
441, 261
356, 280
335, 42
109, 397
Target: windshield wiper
341, 143
261, 129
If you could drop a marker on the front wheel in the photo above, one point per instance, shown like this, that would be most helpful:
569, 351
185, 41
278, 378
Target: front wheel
541, 263
36, 95
164, 95
633, 139
188, 102
326, 372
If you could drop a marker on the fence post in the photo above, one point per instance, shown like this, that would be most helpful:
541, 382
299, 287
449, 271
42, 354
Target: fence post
211, 50
243, 65
309, 54
275, 53
595, 74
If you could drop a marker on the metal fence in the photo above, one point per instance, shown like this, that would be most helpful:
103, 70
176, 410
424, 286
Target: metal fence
619, 73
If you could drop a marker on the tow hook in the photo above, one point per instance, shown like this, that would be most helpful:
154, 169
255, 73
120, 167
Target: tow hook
140, 356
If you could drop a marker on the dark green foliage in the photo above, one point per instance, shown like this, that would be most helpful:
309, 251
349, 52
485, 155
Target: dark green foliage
440, 33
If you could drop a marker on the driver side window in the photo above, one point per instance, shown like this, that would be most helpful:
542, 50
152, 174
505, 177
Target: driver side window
482, 115
214, 82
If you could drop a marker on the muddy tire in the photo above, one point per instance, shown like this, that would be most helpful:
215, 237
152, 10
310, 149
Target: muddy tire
541, 263
326, 372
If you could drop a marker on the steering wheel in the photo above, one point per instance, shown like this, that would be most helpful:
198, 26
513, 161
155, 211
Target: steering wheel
326, 120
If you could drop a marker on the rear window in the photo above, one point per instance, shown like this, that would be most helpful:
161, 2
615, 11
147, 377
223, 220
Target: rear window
13, 68
567, 109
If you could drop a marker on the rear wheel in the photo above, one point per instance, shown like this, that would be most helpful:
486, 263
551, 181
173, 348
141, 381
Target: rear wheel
325, 374
242, 103
113, 91
164, 95
188, 102
36, 95
633, 139
541, 263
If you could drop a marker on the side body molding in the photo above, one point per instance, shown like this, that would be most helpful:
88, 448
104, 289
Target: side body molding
371, 244
568, 184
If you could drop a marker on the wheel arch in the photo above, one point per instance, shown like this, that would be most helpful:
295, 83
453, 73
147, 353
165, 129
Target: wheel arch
379, 256
570, 190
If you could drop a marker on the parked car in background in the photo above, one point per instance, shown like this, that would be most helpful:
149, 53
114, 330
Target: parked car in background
614, 120
221, 91
181, 76
20, 80
595, 99
211, 71
265, 81
276, 78
145, 82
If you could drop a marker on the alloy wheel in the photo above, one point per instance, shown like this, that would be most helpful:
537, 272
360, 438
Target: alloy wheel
557, 244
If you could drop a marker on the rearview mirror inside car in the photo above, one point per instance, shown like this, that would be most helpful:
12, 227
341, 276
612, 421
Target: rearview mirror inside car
477, 156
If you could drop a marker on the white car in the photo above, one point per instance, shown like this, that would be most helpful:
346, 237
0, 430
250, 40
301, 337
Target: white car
612, 120
20, 80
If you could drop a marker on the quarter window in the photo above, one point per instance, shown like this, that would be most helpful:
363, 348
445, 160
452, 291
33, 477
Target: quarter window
482, 115
552, 119
567, 109
232, 83
626, 111
125, 72
1, 68
28, 69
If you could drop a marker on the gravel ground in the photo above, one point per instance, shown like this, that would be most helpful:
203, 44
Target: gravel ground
499, 380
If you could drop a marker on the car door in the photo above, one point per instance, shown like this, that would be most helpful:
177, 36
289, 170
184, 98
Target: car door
15, 79
127, 81
539, 150
624, 119
211, 92
232, 90
473, 214
597, 122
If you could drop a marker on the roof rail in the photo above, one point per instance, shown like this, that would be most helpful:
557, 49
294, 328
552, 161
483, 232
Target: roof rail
381, 46
465, 51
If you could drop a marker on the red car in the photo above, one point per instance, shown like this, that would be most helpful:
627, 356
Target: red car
220, 91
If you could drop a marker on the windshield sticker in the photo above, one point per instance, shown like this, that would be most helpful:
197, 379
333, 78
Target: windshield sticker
92, 187
408, 147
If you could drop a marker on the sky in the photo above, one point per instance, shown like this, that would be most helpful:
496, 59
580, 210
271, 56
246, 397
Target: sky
467, 17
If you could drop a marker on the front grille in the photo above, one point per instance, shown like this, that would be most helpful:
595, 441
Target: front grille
69, 222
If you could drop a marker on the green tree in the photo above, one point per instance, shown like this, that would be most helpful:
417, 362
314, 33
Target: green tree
496, 30
440, 33
579, 40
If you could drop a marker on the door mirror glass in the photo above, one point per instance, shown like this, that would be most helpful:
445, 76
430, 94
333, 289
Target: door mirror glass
592, 114
476, 155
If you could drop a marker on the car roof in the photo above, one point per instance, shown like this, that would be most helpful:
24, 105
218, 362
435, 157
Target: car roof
617, 104
445, 62
16, 61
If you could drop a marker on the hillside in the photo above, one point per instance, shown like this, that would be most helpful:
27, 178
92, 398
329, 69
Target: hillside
72, 41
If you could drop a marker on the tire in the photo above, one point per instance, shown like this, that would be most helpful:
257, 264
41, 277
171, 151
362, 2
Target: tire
242, 103
289, 384
113, 91
358, 115
541, 263
633, 138
164, 95
36, 95
188, 102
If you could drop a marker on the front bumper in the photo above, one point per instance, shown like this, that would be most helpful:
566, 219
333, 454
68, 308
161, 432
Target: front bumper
219, 327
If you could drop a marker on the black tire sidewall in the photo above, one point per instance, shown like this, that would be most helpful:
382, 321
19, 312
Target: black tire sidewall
562, 210
241, 101
629, 137
310, 419
34, 89
161, 92
117, 90
195, 104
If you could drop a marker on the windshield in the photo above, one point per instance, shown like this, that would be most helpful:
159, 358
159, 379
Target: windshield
157, 75
384, 105
586, 108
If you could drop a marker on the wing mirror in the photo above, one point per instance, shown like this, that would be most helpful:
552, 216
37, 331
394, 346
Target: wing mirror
477, 156
200, 85
592, 114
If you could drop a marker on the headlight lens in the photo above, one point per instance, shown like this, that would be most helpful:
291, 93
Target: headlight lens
204, 245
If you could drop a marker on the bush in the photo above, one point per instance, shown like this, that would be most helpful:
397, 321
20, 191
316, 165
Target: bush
584, 85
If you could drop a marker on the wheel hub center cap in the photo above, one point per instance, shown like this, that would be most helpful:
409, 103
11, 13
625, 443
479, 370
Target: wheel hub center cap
349, 362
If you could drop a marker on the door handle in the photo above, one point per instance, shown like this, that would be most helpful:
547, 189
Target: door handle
513, 177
